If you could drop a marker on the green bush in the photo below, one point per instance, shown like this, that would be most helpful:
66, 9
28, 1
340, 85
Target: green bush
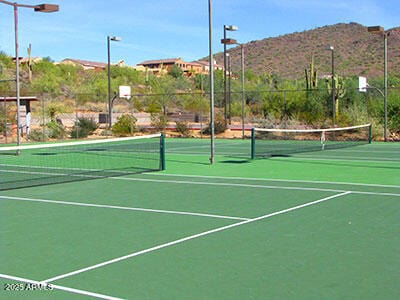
55, 130
394, 117
126, 125
182, 128
158, 121
38, 135
83, 128
219, 127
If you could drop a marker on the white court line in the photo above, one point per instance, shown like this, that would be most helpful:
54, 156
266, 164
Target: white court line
122, 208
275, 180
339, 158
59, 287
253, 186
192, 237
258, 186
368, 151
228, 184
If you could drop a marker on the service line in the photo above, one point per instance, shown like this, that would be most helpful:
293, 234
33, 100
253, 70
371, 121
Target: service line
192, 237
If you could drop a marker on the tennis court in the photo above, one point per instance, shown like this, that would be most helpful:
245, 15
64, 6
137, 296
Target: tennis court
312, 225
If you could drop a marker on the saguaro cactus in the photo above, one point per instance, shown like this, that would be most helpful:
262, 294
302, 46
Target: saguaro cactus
311, 76
340, 90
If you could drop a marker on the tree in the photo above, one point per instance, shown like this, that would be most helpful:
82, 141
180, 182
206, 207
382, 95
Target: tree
176, 71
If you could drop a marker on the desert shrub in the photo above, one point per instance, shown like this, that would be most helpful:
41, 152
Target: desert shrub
55, 130
219, 126
125, 125
182, 128
394, 117
158, 121
83, 128
38, 135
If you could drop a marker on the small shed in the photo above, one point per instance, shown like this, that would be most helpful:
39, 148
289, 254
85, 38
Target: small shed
23, 101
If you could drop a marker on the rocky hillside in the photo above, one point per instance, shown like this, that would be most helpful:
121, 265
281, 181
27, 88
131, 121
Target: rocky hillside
357, 52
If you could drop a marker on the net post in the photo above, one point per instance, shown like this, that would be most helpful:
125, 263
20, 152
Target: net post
370, 134
162, 152
253, 141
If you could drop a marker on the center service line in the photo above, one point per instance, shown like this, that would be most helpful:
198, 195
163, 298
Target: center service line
118, 259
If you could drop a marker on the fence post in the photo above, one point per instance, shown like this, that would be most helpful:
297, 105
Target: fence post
162, 152
253, 141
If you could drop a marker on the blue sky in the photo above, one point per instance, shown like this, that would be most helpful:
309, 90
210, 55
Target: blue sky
173, 28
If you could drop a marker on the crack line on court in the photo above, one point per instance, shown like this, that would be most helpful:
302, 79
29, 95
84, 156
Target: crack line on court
59, 287
124, 208
192, 237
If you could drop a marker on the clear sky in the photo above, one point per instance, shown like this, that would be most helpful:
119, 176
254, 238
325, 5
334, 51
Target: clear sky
156, 29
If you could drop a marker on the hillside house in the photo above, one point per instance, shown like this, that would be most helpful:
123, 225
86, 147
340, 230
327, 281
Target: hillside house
162, 66
85, 64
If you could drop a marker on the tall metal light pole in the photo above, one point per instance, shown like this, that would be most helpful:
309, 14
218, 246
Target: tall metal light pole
243, 91
211, 59
37, 8
381, 30
226, 28
109, 39
243, 94
332, 49
227, 92
229, 86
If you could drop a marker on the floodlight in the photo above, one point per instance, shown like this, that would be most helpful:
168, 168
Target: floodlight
46, 8
376, 29
231, 28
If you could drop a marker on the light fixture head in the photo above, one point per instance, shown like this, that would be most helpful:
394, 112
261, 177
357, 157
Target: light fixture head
46, 8
231, 27
330, 48
229, 41
376, 29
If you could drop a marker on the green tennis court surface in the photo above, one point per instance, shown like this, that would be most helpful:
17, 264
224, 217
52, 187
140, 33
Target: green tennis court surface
316, 225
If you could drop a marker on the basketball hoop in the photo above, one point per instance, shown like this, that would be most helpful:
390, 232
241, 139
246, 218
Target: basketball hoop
362, 84
125, 91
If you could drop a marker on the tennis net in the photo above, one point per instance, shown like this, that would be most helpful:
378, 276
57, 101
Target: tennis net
44, 164
283, 142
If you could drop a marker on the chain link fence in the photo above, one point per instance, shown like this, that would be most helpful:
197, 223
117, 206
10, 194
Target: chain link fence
54, 117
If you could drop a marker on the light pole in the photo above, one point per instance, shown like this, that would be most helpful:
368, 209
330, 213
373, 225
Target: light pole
243, 91
229, 86
109, 39
243, 94
226, 28
227, 41
332, 49
211, 60
381, 30
37, 8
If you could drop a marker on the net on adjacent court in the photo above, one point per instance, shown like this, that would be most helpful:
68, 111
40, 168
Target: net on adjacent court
283, 142
43, 164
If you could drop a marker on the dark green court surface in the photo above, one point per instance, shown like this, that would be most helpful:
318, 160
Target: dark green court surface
315, 225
